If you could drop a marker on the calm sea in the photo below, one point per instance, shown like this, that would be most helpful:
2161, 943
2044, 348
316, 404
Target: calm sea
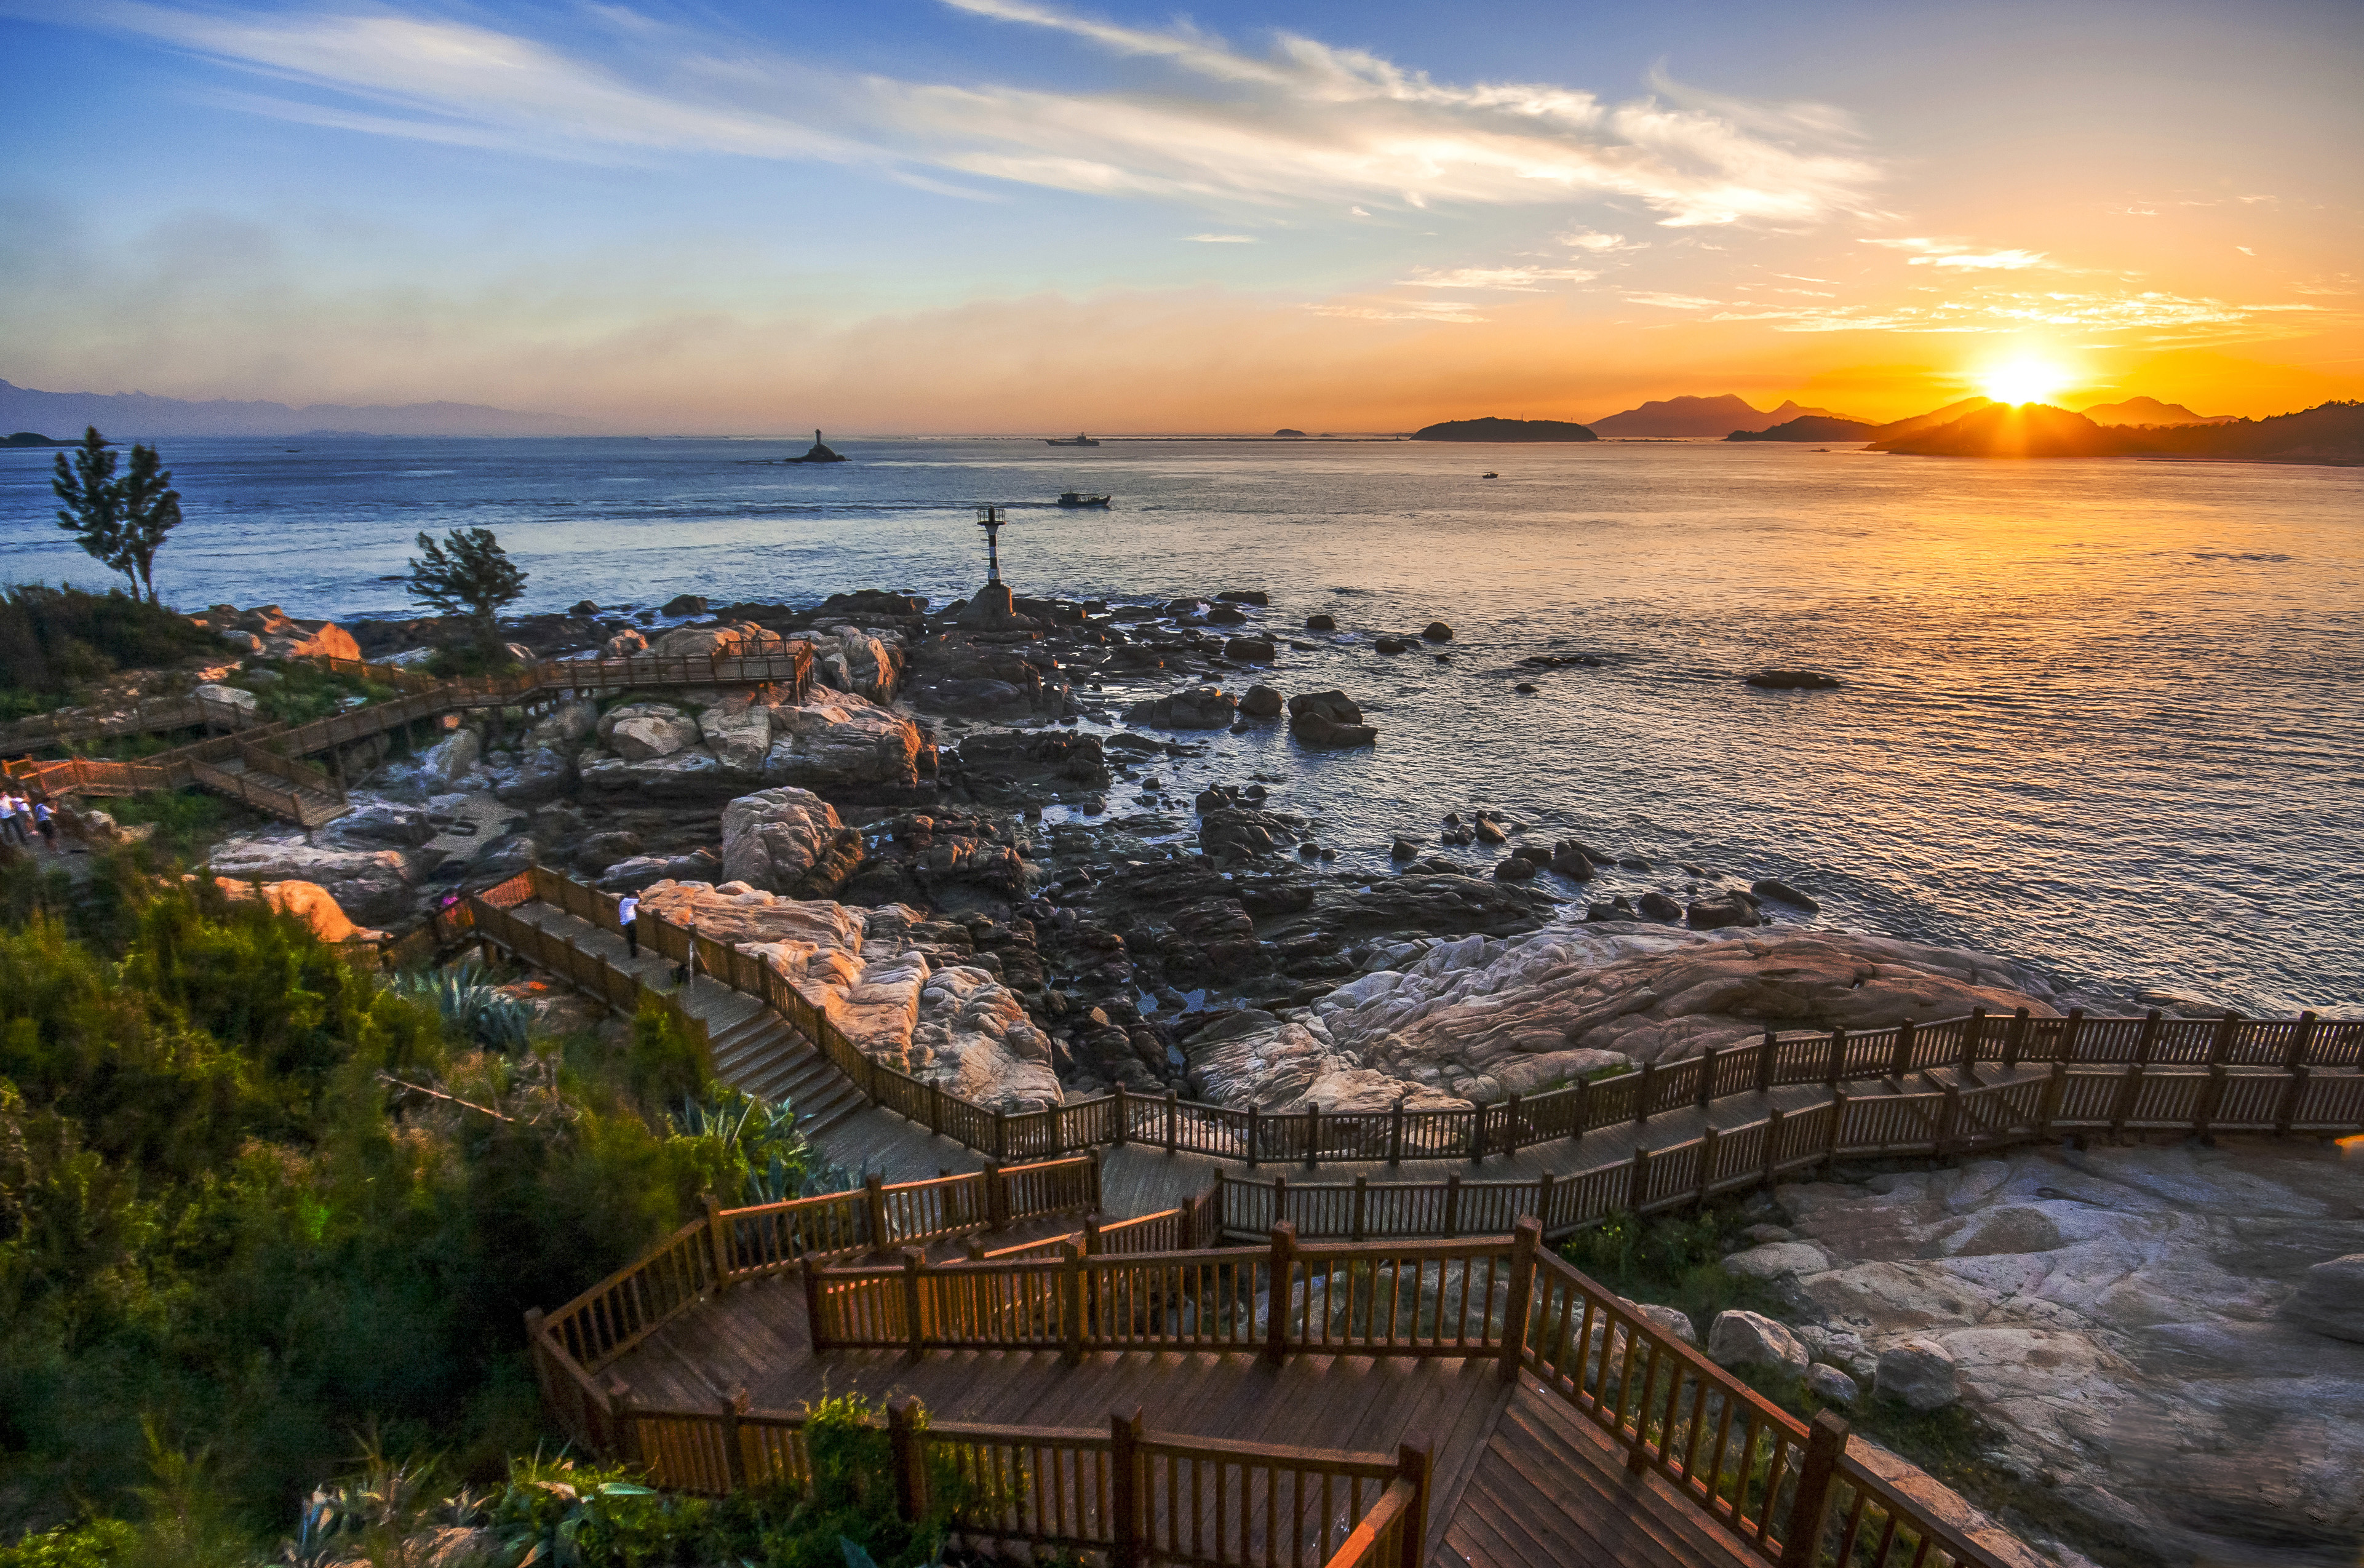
2103, 716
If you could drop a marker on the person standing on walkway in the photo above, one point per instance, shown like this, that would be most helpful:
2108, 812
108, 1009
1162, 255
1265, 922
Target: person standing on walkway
627, 919
23, 820
9, 832
47, 821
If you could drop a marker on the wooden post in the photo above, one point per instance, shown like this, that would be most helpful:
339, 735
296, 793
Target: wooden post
1949, 1121
1361, 1199
1395, 1132
2070, 1028
1091, 1236
1412, 1465
936, 1109
1580, 1118
1312, 1132
997, 1198
2146, 1042
1836, 1072
1707, 1078
1255, 1126
1124, 1490
1282, 1285
2301, 1041
1477, 1134
1772, 1146
1514, 1135
2055, 1088
1644, 1091
1637, 1191
1900, 1064
913, 1331
2285, 1109
1072, 1292
1173, 1119
1838, 1127
1058, 1148
1766, 1051
811, 1271
911, 1465
1122, 1117
1000, 1134
719, 1232
2212, 1102
1972, 1033
2015, 1039
1451, 1206
1543, 1200
1707, 1162
1280, 1199
873, 1193
734, 1453
1524, 1240
1801, 1537
1094, 1173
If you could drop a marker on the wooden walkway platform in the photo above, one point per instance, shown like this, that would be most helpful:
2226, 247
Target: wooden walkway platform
1136, 1179
1519, 1478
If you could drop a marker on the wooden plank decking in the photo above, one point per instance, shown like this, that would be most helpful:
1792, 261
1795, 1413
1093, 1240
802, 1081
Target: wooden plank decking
1519, 1478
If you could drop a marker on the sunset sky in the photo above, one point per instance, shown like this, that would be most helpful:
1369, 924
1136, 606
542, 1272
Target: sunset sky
1010, 215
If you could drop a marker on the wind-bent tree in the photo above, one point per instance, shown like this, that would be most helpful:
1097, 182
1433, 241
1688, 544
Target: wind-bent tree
468, 574
149, 508
93, 512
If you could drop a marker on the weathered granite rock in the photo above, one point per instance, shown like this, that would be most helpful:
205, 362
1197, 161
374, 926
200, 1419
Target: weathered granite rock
1919, 1371
308, 902
372, 885
625, 644
2330, 1298
373, 823
1673, 1321
1751, 1338
642, 731
787, 840
1619, 991
1238, 830
863, 663
739, 739
233, 696
270, 632
838, 740
1261, 702
1727, 908
721, 639
691, 774
1826, 1381
1778, 1259
1253, 1057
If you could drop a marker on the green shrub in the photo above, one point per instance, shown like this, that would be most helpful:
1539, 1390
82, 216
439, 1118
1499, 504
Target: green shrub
55, 640
101, 1543
305, 691
188, 822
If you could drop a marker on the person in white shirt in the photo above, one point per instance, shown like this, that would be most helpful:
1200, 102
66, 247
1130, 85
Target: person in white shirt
628, 916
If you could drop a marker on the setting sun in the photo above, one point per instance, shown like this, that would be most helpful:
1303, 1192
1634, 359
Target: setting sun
2023, 381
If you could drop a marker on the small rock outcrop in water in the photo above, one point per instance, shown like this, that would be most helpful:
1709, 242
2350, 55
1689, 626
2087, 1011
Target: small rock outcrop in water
1495, 430
1328, 720
1203, 707
1792, 681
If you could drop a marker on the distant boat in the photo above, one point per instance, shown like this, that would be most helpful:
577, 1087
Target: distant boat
1081, 441
1489, 473
1077, 498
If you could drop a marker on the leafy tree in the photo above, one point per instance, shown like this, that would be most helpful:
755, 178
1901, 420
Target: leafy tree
468, 574
149, 508
93, 512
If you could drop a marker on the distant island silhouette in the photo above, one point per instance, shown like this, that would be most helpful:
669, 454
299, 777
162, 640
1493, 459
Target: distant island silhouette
2329, 433
1493, 429
1808, 427
2151, 411
30, 439
1681, 417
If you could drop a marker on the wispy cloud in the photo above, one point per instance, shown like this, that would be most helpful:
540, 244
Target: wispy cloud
1302, 122
1673, 301
1220, 238
1415, 310
1521, 280
1961, 257
1599, 244
2161, 316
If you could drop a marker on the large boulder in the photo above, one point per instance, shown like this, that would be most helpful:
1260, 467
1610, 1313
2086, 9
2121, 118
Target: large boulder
1751, 1338
373, 823
739, 734
1328, 721
692, 774
1281, 1066
839, 740
1261, 702
787, 840
1202, 707
308, 902
246, 701
642, 731
866, 663
372, 885
2330, 1298
1922, 1372
716, 640
272, 633
971, 1036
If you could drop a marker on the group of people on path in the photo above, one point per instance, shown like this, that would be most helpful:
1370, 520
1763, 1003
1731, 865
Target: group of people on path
21, 818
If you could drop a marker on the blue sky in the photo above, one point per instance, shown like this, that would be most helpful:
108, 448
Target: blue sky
941, 214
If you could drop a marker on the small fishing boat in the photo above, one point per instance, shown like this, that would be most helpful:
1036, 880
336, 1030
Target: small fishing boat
1077, 498
1081, 441
1489, 473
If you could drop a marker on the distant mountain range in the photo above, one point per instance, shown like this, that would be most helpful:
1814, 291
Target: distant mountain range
2332, 432
2151, 411
1808, 427
1678, 418
135, 415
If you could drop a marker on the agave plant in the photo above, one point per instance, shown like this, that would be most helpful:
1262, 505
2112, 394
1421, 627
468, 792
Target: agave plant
472, 1005
779, 1163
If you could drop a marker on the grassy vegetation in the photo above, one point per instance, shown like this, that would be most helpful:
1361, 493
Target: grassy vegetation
295, 692
188, 823
56, 642
231, 1253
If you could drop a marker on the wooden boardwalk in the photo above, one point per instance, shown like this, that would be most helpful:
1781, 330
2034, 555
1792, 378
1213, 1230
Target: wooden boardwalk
1519, 1478
765, 1056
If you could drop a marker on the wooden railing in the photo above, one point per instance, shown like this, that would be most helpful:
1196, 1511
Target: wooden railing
144, 717
1134, 1496
759, 663
1787, 1491
2302, 1074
